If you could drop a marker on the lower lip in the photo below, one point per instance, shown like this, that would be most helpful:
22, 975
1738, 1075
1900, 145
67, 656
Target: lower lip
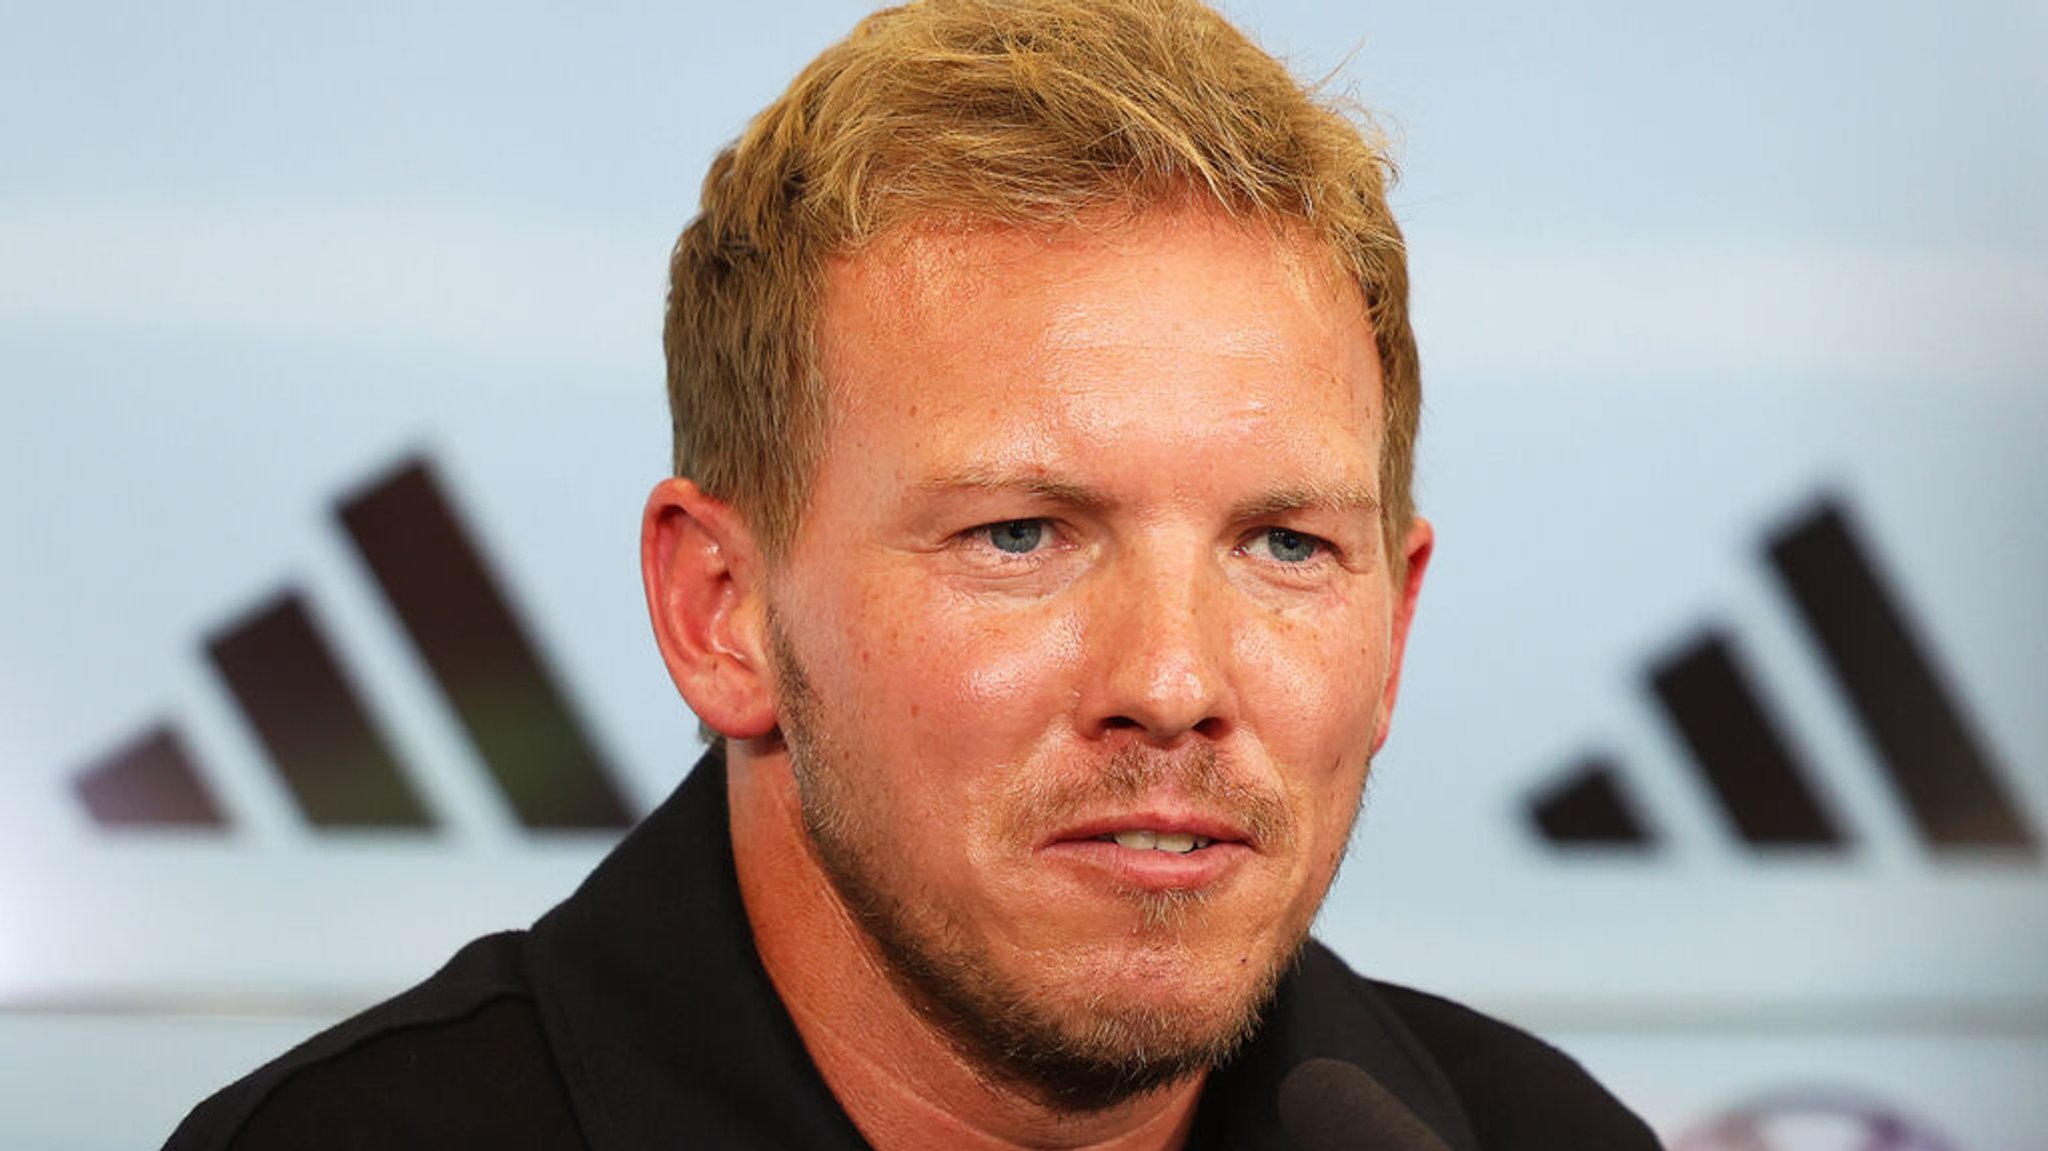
1147, 870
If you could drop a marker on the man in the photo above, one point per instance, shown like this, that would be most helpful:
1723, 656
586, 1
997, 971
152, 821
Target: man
1041, 555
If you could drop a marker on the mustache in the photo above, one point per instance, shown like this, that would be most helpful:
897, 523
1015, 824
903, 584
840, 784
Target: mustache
1200, 775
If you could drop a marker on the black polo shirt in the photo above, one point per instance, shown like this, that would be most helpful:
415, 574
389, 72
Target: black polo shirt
636, 1015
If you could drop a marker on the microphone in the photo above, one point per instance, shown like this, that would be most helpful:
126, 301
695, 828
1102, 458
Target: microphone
1331, 1105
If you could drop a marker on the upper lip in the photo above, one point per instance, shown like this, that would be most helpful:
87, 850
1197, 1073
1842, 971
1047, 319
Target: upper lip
1165, 820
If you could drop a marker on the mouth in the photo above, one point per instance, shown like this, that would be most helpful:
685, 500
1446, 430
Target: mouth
1146, 839
1170, 828
1151, 850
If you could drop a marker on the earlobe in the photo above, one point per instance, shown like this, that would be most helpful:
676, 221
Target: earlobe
701, 571
1421, 543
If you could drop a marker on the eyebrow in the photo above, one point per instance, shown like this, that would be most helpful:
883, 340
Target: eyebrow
1037, 486
1343, 497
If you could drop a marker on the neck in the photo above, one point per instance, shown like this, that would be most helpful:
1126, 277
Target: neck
901, 1080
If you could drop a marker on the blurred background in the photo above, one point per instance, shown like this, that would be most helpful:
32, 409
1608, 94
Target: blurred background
330, 388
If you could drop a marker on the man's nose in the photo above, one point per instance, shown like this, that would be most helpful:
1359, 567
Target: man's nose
1158, 653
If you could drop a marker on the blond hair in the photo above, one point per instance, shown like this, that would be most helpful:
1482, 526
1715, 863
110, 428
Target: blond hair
1024, 113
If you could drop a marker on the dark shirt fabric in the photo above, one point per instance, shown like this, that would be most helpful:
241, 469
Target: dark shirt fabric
636, 1015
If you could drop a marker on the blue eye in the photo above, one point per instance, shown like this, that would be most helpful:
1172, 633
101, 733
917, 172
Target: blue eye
1017, 537
1290, 547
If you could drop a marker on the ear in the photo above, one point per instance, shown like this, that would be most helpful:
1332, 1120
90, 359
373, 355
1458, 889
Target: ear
1420, 544
703, 576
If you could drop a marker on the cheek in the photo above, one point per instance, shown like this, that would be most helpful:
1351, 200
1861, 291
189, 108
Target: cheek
1313, 685
1018, 663
957, 675
1312, 694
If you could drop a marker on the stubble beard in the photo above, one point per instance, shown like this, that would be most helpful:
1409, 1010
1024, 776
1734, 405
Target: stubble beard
1075, 1056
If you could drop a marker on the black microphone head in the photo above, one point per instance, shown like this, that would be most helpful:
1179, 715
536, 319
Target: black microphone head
1331, 1105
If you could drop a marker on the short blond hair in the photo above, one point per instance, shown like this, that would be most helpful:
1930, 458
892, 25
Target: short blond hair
1024, 113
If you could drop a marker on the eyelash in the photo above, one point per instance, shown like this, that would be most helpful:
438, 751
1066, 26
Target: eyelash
1321, 549
988, 532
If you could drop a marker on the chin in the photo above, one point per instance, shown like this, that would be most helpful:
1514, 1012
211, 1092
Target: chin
1146, 1019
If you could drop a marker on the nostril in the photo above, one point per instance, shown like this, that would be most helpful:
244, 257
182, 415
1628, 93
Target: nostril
1115, 722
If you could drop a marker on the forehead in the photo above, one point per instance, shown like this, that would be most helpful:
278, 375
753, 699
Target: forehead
1187, 315
913, 276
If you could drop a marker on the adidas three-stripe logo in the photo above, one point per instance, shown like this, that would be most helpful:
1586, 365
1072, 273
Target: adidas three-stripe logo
325, 746
1931, 760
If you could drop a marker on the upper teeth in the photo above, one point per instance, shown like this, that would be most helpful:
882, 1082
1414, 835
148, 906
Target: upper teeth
1175, 841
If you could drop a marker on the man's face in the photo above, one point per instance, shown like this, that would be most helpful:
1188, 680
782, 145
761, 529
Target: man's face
1088, 633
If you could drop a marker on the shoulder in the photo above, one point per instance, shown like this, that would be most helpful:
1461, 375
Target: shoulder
457, 1061
1516, 1090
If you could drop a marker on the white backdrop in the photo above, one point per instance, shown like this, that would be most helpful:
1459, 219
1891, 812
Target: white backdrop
1681, 273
